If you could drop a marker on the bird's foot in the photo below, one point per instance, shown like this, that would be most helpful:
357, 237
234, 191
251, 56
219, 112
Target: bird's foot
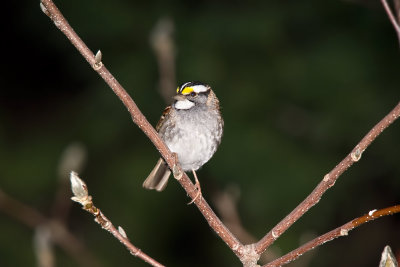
197, 185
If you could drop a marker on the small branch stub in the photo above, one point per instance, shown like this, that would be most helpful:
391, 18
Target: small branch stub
177, 172
356, 155
122, 232
44, 9
97, 58
344, 232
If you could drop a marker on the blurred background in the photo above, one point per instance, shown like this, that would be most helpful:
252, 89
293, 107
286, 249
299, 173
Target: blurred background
300, 83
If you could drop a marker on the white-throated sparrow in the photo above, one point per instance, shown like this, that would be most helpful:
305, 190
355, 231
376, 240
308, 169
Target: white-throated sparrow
191, 127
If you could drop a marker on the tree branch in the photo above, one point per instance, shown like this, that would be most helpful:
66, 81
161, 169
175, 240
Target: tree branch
328, 181
50, 9
59, 234
338, 232
81, 195
392, 17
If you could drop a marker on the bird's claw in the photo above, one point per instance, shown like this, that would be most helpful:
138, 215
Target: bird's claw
197, 185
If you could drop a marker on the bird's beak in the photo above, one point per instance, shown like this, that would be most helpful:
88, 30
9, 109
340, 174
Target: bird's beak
179, 97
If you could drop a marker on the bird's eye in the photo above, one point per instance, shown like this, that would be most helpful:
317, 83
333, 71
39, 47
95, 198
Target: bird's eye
193, 94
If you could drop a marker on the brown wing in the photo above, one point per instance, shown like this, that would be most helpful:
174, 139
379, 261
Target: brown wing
165, 114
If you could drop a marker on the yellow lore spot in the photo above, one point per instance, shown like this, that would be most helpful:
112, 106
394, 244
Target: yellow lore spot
187, 90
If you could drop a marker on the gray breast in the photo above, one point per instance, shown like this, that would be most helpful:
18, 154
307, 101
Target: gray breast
194, 135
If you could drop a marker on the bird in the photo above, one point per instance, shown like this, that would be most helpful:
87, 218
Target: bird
191, 127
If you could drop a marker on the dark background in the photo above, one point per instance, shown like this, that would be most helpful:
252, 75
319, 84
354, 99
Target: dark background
300, 83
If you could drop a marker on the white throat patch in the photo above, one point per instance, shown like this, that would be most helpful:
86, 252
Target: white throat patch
183, 104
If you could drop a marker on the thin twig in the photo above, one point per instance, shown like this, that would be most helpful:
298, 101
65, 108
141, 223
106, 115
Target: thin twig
392, 18
338, 232
397, 10
81, 195
50, 9
59, 234
327, 182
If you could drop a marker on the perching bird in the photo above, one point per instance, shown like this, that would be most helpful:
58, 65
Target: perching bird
192, 128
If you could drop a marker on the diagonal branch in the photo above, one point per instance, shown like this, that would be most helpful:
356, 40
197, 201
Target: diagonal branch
395, 22
328, 181
59, 233
338, 232
50, 9
81, 195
